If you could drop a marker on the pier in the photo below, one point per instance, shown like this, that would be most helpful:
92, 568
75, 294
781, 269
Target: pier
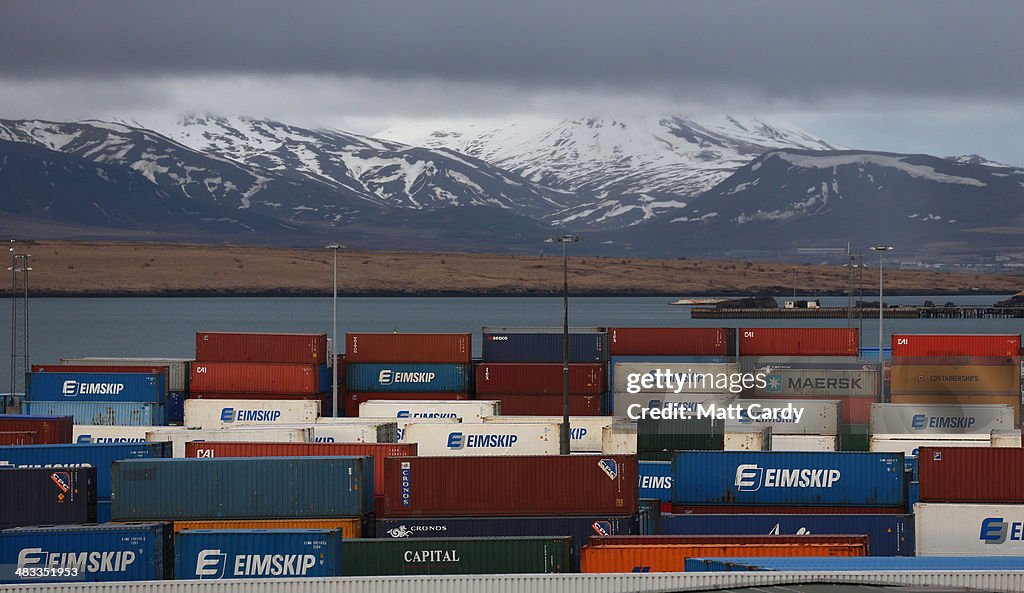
965, 312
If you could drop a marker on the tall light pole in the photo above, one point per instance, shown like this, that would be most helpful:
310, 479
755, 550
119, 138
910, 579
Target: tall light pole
564, 435
334, 332
881, 350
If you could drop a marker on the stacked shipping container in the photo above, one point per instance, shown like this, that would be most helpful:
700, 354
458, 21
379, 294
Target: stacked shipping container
99, 394
177, 377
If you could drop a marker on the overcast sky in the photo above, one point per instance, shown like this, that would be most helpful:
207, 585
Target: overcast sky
908, 75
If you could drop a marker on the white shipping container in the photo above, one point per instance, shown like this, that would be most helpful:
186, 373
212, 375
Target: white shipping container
179, 435
969, 529
748, 438
805, 442
909, 444
698, 377
355, 430
1006, 438
818, 417
228, 413
619, 439
178, 371
101, 433
624, 402
940, 418
401, 423
483, 439
466, 410
819, 382
584, 431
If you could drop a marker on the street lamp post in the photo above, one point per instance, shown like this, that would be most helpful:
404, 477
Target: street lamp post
564, 434
881, 335
334, 332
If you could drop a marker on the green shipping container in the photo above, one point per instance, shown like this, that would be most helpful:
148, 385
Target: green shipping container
466, 555
854, 437
691, 434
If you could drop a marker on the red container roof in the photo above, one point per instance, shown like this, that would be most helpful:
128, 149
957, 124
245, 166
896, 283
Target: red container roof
408, 348
955, 345
539, 378
672, 341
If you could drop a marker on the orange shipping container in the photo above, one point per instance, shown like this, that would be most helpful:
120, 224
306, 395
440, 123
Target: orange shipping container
1007, 400
914, 379
350, 528
671, 557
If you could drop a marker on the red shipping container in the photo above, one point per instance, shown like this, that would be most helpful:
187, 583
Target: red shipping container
672, 341
353, 399
404, 348
728, 509
50, 430
255, 378
969, 474
546, 405
510, 486
852, 410
955, 345
539, 378
379, 451
798, 341
23, 437
274, 348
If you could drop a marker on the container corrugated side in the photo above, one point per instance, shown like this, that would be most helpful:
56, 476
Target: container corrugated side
584, 431
220, 413
24, 437
818, 417
511, 486
348, 528
484, 439
178, 436
385, 377
486, 555
787, 478
910, 445
274, 487
805, 442
798, 341
49, 429
750, 509
106, 369
256, 553
853, 410
969, 474
538, 378
105, 413
101, 434
547, 405
947, 345
261, 347
177, 368
543, 347
83, 455
656, 480
467, 411
888, 535
48, 496
408, 348
96, 387
353, 400
925, 419
1012, 400
675, 378
911, 379
838, 383
672, 341
254, 378
969, 529
97, 553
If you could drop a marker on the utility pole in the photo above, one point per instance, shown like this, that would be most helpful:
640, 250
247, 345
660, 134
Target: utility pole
881, 332
565, 432
334, 333
19, 323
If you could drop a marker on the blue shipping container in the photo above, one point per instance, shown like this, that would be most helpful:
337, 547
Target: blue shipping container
431, 378
176, 408
910, 465
787, 478
913, 495
242, 488
856, 563
656, 480
579, 528
103, 511
544, 347
257, 553
99, 456
137, 552
888, 535
105, 413
96, 387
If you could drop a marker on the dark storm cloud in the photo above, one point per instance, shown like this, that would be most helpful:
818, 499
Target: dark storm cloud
793, 49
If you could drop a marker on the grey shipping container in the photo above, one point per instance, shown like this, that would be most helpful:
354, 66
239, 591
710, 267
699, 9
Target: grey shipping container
242, 488
827, 382
101, 412
177, 368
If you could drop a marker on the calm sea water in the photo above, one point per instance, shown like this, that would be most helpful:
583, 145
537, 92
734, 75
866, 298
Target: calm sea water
166, 326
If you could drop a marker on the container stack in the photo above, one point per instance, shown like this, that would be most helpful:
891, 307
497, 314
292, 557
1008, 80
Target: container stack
256, 366
177, 377
99, 394
381, 366
41, 430
522, 368
956, 370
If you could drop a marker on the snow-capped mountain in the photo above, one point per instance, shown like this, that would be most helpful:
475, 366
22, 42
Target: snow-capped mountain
385, 173
623, 171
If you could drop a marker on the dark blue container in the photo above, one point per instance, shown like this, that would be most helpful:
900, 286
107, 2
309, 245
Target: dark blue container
406, 378
96, 387
55, 496
103, 511
99, 456
105, 413
256, 553
137, 552
242, 488
856, 563
648, 515
579, 528
544, 347
910, 465
913, 495
787, 478
656, 480
324, 377
888, 535
176, 408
